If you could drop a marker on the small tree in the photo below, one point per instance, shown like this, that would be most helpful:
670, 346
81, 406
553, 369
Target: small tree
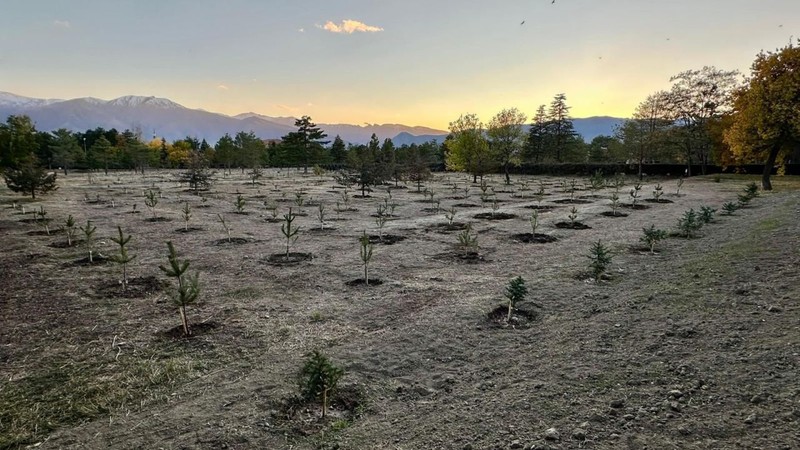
707, 214
123, 258
534, 222
380, 220
729, 208
188, 287
186, 214
634, 193
225, 226
652, 236
31, 179
88, 233
678, 187
289, 231
151, 200
318, 379
366, 254
658, 191
689, 223
321, 214
468, 241
239, 204
450, 215
597, 181
71, 229
573, 216
42, 220
600, 260
615, 201
515, 293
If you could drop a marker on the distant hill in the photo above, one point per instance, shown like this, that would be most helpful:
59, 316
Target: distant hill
161, 117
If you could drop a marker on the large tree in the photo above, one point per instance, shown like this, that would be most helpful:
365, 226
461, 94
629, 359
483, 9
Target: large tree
17, 141
467, 148
65, 148
225, 152
537, 134
766, 121
697, 97
29, 177
307, 142
643, 135
338, 151
560, 135
507, 138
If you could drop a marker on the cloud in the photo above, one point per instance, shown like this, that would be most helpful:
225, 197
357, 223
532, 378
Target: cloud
301, 30
61, 23
222, 87
349, 26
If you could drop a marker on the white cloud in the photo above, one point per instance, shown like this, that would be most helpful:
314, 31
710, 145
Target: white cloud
222, 87
301, 30
61, 23
349, 26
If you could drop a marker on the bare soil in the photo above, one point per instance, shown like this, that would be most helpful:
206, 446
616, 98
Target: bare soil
694, 347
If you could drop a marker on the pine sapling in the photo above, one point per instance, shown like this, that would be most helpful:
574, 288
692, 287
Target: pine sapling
679, 186
186, 214
88, 234
43, 220
729, 208
71, 229
707, 214
318, 379
534, 222
450, 214
321, 215
515, 293
150, 200
123, 258
299, 199
188, 287
652, 236
658, 191
289, 231
225, 226
366, 254
689, 223
468, 241
239, 204
573, 216
600, 259
634, 193
615, 202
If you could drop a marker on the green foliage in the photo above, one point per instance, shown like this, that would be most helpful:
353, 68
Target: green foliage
573, 215
366, 254
239, 204
634, 193
658, 191
42, 220
515, 293
467, 241
71, 229
29, 178
188, 289
289, 231
467, 148
652, 236
186, 215
706, 214
123, 258
450, 215
729, 208
750, 192
151, 200
88, 238
534, 221
689, 223
615, 201
597, 181
600, 260
318, 379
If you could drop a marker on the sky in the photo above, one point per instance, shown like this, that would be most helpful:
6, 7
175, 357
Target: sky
413, 62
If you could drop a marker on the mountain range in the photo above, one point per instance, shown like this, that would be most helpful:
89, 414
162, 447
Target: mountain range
161, 117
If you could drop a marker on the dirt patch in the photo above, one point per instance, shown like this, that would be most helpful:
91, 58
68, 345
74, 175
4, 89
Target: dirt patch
613, 214
462, 257
97, 260
386, 239
572, 201
447, 227
541, 208
189, 230
293, 258
66, 244
360, 282
196, 329
158, 219
495, 216
321, 231
660, 200
231, 241
538, 238
138, 287
523, 316
637, 207
466, 205
572, 226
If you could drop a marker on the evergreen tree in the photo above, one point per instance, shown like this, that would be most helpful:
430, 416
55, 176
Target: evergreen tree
306, 142
338, 151
561, 132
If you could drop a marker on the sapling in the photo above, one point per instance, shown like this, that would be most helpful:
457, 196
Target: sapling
495, 207
225, 226
188, 287
466, 192
597, 181
150, 200
299, 199
534, 221
239, 204
88, 234
450, 214
634, 193
539, 195
289, 230
729, 208
346, 199
658, 191
707, 214
366, 254
652, 236
515, 293
751, 190
43, 220
380, 221
573, 186
679, 186
321, 215
123, 258
615, 201
600, 259
186, 215
468, 241
71, 229
573, 216
689, 223
318, 379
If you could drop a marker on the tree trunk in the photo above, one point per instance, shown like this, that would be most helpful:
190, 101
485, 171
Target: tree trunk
766, 184
505, 169
184, 320
366, 274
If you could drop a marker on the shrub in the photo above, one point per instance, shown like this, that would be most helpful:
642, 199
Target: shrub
729, 208
600, 260
689, 223
515, 293
289, 231
318, 379
706, 214
652, 236
42, 220
88, 233
366, 254
123, 258
239, 204
188, 289
468, 241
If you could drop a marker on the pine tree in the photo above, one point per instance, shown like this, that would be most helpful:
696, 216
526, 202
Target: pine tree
188, 288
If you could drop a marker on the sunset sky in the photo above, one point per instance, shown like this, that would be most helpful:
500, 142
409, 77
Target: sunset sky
355, 61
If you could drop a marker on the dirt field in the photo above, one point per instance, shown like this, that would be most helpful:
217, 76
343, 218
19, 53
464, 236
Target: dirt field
694, 347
